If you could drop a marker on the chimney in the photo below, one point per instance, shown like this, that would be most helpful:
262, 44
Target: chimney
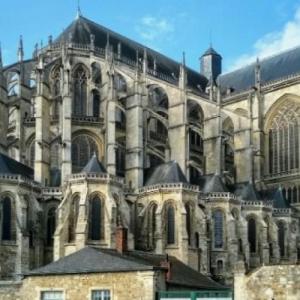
121, 239
167, 265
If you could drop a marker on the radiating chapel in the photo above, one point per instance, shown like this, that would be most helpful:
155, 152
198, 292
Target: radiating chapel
99, 132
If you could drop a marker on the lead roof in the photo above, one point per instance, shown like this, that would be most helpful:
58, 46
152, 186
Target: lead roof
272, 68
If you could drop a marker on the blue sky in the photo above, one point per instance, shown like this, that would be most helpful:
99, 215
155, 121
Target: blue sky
240, 30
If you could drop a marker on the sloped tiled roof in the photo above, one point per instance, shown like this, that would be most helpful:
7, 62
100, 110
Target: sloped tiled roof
247, 191
92, 260
79, 31
94, 166
13, 167
272, 68
279, 200
214, 184
166, 173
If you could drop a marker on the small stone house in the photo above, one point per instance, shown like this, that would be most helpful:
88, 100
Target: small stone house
106, 274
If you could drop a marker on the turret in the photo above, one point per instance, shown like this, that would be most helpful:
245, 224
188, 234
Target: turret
211, 64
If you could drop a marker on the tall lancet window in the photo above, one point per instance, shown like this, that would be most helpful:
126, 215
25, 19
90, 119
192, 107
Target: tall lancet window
7, 228
73, 217
218, 225
96, 219
284, 139
281, 239
152, 226
80, 92
170, 224
56, 93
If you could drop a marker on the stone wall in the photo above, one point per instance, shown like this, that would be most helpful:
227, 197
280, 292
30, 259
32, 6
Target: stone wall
281, 282
123, 286
9, 290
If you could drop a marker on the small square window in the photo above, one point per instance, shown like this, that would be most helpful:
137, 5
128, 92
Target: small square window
52, 295
101, 295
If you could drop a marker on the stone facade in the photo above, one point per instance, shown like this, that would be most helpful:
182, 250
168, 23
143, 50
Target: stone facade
142, 285
78, 99
268, 283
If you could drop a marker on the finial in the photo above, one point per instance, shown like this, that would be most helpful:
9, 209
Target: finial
21, 50
50, 40
183, 58
79, 14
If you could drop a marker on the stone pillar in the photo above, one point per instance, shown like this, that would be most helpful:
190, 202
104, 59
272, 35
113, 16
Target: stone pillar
158, 233
134, 138
42, 130
111, 129
66, 123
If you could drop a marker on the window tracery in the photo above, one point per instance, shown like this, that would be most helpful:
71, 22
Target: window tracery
218, 220
96, 219
284, 139
80, 92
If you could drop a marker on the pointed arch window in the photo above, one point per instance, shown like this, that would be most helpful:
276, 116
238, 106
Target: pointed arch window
189, 225
51, 225
170, 224
80, 92
284, 139
252, 235
152, 226
96, 103
83, 148
281, 239
55, 164
32, 154
7, 228
73, 217
218, 220
96, 219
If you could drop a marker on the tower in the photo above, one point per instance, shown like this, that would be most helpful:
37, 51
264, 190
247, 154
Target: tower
211, 64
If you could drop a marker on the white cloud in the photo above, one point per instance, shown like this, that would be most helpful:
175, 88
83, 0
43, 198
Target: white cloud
152, 28
272, 43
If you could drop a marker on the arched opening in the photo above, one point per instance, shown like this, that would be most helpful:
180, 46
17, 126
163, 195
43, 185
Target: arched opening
73, 217
152, 227
283, 138
51, 226
96, 74
228, 150
120, 84
281, 239
218, 226
7, 228
83, 148
158, 133
158, 99
96, 219
55, 164
197, 240
189, 222
31, 154
170, 224
80, 91
13, 86
252, 235
96, 103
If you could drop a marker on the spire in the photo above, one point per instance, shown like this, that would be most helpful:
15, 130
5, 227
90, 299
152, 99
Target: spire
79, 14
21, 49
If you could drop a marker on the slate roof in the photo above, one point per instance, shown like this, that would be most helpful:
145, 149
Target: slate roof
13, 167
92, 260
80, 30
94, 166
210, 51
214, 184
247, 191
272, 68
169, 172
279, 200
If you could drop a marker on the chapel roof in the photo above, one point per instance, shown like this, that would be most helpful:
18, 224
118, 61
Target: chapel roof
247, 191
272, 68
13, 167
169, 172
80, 30
214, 184
94, 166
